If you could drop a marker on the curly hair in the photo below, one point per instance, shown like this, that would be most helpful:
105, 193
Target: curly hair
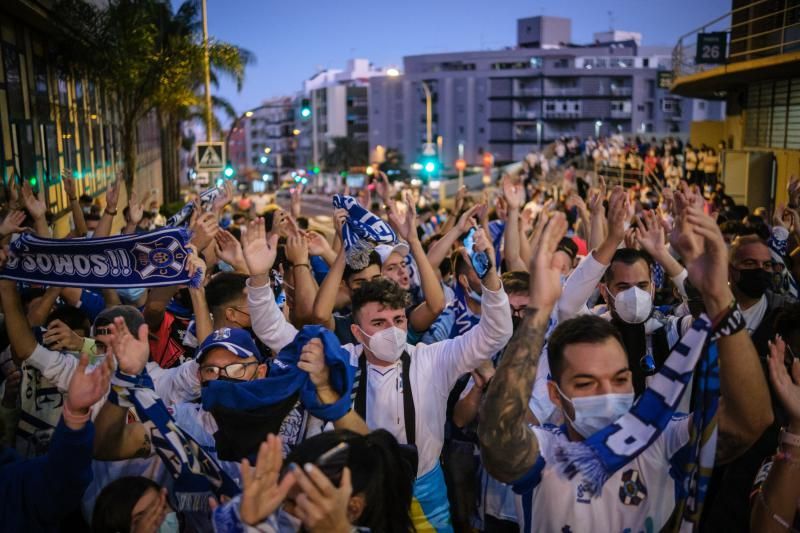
382, 290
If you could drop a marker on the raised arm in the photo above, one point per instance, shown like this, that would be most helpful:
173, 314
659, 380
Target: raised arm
508, 446
440, 250
75, 207
38, 313
116, 439
515, 196
112, 197
425, 313
326, 295
745, 407
23, 343
37, 208
268, 321
305, 287
650, 236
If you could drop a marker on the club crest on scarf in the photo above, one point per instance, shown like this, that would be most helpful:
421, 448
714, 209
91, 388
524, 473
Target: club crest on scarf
182, 217
361, 232
163, 257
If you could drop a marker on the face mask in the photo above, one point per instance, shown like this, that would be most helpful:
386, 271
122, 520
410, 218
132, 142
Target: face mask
563, 279
474, 296
593, 413
633, 305
387, 344
170, 524
130, 295
754, 282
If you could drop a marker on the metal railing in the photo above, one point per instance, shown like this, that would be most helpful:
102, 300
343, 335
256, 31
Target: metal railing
750, 35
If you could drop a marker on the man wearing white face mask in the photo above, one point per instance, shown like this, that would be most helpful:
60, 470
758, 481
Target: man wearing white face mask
401, 388
628, 289
591, 384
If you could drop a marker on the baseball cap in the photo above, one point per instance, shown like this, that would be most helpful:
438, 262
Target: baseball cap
235, 340
385, 250
133, 318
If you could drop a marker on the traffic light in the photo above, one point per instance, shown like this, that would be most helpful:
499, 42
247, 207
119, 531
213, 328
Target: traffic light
229, 172
33, 181
305, 108
430, 165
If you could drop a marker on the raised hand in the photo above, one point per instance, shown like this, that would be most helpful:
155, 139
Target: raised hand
13, 189
786, 386
617, 214
297, 249
229, 249
195, 265
60, 337
399, 221
514, 193
33, 203
135, 209
467, 219
112, 195
69, 184
296, 194
317, 244
793, 190
258, 253
411, 217
461, 197
312, 361
650, 234
223, 199
132, 353
382, 187
322, 507
340, 219
11, 224
85, 390
262, 494
545, 287
204, 230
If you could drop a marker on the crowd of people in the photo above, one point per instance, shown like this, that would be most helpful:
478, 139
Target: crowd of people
530, 358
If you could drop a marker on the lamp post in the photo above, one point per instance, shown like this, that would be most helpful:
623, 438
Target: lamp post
428, 113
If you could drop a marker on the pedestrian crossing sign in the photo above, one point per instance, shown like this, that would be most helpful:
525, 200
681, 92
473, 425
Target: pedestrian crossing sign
210, 156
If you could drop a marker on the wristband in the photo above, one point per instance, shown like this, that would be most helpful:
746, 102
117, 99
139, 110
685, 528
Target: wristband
73, 418
731, 322
73, 198
302, 265
108, 211
790, 439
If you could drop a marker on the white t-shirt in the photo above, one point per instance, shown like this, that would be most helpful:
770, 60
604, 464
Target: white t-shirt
638, 497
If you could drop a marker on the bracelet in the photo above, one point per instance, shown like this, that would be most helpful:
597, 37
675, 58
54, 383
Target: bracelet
73, 198
790, 439
302, 265
777, 518
73, 418
731, 322
108, 211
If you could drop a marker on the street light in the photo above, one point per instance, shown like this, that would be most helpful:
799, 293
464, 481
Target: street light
296, 131
597, 126
267, 150
248, 114
392, 72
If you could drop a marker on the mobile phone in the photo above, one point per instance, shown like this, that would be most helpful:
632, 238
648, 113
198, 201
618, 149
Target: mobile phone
333, 461
480, 260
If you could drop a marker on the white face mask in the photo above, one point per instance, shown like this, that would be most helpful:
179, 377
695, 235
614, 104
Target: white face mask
633, 305
472, 294
170, 524
387, 344
593, 413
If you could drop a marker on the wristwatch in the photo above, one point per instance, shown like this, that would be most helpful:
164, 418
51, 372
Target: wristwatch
110, 212
790, 439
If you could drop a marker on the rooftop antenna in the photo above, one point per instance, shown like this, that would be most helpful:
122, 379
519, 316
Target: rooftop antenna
611, 21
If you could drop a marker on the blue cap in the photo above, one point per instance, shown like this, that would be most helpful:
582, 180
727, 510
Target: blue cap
235, 340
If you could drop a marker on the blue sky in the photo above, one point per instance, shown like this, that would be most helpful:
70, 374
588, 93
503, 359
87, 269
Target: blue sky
292, 39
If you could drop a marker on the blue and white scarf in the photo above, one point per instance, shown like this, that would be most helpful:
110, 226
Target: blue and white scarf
465, 319
693, 464
197, 475
598, 457
361, 232
182, 217
150, 259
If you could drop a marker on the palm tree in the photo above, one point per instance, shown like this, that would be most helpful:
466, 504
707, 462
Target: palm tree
150, 58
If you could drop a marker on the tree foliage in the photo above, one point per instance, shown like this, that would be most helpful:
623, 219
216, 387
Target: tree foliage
346, 153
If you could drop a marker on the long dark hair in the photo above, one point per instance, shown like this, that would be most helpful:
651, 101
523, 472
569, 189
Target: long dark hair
112, 510
381, 469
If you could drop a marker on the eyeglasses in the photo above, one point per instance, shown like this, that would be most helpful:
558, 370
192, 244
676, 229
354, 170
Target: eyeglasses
518, 311
233, 370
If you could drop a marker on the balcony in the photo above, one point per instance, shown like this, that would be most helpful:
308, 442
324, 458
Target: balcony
563, 91
761, 41
528, 91
562, 114
620, 114
526, 114
621, 91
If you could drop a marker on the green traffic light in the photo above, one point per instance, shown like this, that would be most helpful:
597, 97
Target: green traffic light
33, 181
228, 172
305, 112
316, 170
430, 166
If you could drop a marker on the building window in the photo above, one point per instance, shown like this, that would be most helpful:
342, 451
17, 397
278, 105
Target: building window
621, 106
646, 62
536, 62
562, 62
640, 107
511, 66
701, 105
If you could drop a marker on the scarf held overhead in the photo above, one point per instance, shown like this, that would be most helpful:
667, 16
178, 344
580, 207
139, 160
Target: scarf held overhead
619, 443
151, 259
182, 217
361, 232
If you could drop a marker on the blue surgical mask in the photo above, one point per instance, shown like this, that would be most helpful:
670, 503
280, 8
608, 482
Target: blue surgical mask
130, 295
593, 413
170, 524
563, 279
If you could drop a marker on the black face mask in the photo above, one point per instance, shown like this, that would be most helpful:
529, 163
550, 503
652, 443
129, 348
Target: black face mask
754, 282
515, 321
